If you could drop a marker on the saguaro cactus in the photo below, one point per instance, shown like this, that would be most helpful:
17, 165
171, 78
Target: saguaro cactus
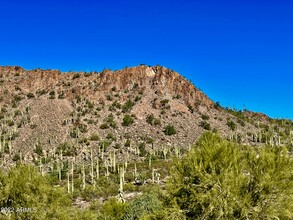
68, 183
121, 179
97, 168
92, 166
59, 170
114, 161
83, 176
72, 177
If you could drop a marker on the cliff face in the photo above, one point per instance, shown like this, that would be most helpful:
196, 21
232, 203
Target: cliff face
158, 79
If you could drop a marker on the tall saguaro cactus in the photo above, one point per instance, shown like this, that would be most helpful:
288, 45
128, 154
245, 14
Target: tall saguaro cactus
83, 176
72, 177
97, 169
92, 167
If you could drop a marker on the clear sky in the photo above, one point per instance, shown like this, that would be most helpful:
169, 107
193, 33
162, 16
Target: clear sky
239, 52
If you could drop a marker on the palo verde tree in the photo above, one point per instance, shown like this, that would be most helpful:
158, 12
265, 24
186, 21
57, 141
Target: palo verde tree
26, 194
223, 180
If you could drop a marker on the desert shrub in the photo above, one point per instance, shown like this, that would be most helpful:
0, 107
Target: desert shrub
74, 133
241, 122
144, 207
17, 98
67, 149
89, 104
127, 106
23, 187
52, 95
105, 143
205, 117
33, 126
109, 97
41, 92
104, 126
84, 140
112, 209
10, 123
190, 108
82, 128
110, 120
218, 179
94, 137
231, 125
217, 105
142, 150
177, 96
111, 136
157, 122
38, 150
16, 157
169, 130
205, 125
61, 95
152, 120
137, 98
127, 120
30, 95
116, 104
164, 102
76, 76
127, 143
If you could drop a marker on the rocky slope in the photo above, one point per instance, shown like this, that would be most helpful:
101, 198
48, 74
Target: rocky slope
135, 111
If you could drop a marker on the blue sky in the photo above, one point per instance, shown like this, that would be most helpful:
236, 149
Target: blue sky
239, 53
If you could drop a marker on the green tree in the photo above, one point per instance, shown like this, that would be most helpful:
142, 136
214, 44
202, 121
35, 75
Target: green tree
29, 195
223, 180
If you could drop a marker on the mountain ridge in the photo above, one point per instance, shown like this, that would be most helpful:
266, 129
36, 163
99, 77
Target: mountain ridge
134, 111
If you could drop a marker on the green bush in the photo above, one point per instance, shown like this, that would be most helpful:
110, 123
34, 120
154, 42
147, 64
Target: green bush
144, 207
22, 187
169, 130
52, 95
104, 126
110, 120
127, 106
205, 117
190, 108
205, 125
61, 95
38, 150
150, 119
112, 209
127, 120
94, 137
231, 125
76, 76
223, 180
30, 95
74, 133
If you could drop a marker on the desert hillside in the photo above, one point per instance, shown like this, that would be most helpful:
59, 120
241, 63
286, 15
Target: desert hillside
133, 111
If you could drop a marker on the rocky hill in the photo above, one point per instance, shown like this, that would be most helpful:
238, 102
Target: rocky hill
133, 112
